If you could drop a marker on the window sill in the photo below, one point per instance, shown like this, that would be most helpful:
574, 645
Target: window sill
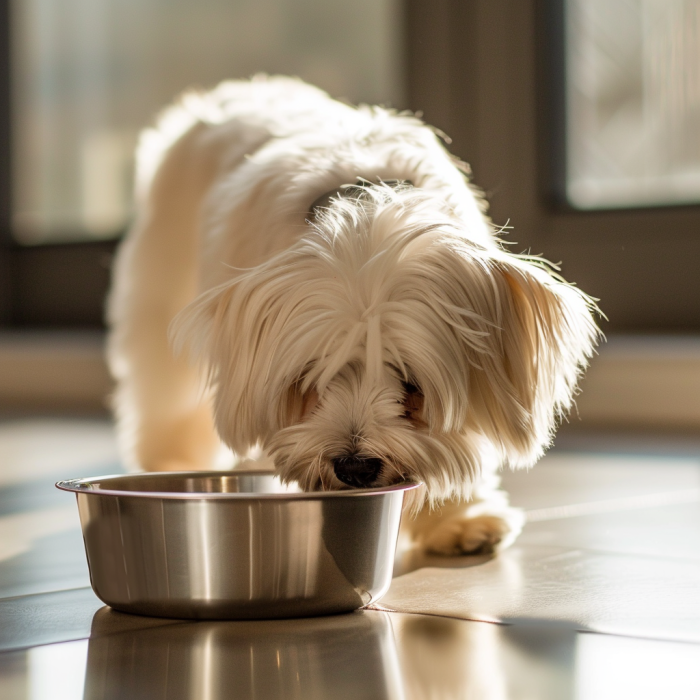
53, 371
635, 381
643, 381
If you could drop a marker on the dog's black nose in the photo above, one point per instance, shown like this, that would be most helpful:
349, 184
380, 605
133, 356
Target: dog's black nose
357, 471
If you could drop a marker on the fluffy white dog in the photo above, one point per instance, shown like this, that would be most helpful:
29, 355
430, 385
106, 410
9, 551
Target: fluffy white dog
353, 313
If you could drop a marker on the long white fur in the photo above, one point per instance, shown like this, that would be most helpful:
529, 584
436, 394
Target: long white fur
401, 284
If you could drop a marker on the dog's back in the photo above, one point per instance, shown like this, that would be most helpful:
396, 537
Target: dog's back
235, 119
157, 269
207, 176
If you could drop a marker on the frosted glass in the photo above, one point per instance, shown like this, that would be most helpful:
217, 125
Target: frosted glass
89, 74
633, 102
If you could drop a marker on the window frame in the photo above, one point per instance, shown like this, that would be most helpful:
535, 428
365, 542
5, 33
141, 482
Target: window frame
495, 84
490, 74
43, 286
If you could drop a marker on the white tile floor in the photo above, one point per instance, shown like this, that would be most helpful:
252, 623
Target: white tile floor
613, 546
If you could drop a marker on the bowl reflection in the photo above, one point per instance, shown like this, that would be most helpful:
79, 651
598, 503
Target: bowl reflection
366, 654
343, 656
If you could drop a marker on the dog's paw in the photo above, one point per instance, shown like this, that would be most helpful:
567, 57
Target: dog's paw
478, 534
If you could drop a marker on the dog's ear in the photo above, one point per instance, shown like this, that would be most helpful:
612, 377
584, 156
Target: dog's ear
526, 336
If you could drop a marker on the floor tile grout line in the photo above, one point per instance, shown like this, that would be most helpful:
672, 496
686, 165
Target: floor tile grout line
392, 611
641, 637
49, 479
170, 622
545, 621
610, 506
27, 647
32, 595
567, 549
590, 550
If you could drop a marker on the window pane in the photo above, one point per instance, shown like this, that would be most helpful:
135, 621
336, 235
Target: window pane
89, 74
633, 102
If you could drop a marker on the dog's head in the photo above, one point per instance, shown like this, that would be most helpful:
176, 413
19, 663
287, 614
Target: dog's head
387, 345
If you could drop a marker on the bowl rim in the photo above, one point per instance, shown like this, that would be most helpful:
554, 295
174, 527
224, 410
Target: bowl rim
82, 486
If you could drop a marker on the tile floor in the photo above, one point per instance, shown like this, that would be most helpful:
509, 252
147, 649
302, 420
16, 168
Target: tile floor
600, 597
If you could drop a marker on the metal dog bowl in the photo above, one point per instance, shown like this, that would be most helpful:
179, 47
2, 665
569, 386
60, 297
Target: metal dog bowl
235, 545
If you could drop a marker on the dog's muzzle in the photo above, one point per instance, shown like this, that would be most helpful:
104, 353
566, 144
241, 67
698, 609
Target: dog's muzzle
356, 471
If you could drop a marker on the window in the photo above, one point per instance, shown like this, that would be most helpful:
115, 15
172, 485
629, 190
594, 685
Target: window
493, 75
490, 73
632, 94
79, 79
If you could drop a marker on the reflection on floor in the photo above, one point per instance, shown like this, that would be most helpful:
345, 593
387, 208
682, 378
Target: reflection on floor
598, 599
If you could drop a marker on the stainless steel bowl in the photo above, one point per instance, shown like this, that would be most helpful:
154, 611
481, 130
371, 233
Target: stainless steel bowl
235, 545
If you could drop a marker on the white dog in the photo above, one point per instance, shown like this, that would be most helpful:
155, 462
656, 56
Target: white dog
354, 315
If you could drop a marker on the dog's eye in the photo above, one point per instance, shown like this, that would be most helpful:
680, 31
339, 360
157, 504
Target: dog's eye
412, 402
410, 388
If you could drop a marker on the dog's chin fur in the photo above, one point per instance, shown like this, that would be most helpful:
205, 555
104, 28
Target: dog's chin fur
392, 325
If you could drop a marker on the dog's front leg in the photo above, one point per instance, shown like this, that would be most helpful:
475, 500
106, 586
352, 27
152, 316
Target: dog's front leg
486, 523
